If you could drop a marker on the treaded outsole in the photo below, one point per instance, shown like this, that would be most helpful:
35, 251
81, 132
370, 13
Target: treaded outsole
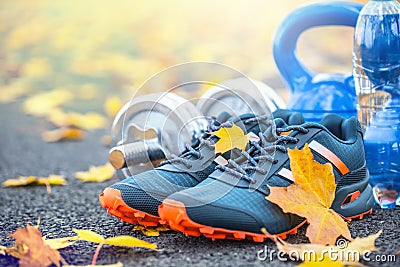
174, 214
359, 216
112, 201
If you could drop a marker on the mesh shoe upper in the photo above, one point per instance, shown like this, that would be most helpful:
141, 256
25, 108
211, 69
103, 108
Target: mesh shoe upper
228, 200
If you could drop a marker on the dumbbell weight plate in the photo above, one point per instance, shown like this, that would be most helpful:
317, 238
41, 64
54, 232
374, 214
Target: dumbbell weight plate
240, 96
165, 119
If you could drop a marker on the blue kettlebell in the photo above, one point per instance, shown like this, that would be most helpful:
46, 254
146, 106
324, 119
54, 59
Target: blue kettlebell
315, 94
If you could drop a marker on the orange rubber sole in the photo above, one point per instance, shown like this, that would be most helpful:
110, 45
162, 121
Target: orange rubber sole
359, 216
112, 201
174, 214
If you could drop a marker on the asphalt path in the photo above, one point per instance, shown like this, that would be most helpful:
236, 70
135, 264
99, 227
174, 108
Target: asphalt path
22, 152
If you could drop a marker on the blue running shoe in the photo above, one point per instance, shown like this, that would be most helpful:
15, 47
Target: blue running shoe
231, 203
136, 199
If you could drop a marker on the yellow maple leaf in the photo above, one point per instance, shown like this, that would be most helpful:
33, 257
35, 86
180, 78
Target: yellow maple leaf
230, 138
151, 231
124, 241
322, 262
28, 180
311, 196
47, 102
61, 134
52, 179
343, 253
59, 243
96, 174
112, 105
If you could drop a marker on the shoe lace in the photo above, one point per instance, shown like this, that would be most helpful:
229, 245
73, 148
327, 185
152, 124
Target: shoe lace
205, 140
261, 150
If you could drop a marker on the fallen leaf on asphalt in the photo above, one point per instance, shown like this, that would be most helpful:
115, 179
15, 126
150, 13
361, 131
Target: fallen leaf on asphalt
106, 140
62, 134
88, 121
52, 179
322, 262
151, 231
344, 252
112, 105
31, 250
59, 243
96, 173
3, 250
36, 67
311, 196
230, 138
87, 91
11, 92
29, 180
119, 264
46, 103
124, 241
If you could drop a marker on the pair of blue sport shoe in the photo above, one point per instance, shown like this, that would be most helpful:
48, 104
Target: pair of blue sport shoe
223, 195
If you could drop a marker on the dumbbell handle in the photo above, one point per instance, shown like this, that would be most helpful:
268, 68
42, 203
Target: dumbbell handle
135, 153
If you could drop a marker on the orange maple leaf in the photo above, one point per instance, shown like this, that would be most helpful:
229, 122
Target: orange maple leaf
311, 196
31, 249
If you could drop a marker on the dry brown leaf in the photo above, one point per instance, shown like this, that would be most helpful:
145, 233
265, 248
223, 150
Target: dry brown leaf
112, 105
47, 102
31, 250
63, 134
311, 196
28, 180
347, 253
88, 121
96, 173
151, 231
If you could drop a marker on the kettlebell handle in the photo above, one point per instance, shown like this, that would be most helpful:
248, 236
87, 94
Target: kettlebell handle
320, 14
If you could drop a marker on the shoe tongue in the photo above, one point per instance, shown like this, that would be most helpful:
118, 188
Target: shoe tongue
223, 117
280, 123
270, 133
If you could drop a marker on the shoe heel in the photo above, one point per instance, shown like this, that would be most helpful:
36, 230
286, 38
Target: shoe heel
359, 207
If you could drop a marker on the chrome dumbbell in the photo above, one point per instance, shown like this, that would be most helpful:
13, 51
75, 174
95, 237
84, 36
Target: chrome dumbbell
239, 96
151, 127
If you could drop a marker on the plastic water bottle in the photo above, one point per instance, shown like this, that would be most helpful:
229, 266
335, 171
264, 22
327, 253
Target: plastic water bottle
376, 70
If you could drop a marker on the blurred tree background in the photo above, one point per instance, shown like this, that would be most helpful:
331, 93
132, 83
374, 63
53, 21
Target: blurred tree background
98, 48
